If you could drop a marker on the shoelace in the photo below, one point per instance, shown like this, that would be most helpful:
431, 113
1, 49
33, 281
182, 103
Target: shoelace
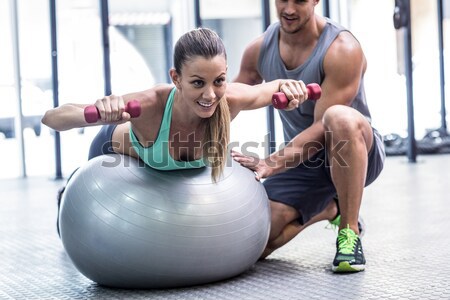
346, 240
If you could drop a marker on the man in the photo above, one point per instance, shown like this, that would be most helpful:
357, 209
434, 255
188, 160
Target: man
331, 147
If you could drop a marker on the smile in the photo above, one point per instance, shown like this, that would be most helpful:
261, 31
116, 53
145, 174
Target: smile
205, 104
289, 18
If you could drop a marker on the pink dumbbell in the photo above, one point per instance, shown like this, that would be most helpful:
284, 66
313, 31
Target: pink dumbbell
92, 115
280, 101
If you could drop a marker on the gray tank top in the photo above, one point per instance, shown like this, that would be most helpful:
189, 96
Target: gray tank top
271, 67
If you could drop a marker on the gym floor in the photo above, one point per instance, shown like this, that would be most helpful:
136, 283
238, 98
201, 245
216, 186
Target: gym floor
406, 244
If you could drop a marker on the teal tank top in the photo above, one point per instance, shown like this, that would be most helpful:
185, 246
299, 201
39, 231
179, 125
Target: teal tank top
158, 156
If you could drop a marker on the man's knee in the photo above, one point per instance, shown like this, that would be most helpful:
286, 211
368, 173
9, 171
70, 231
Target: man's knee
343, 123
281, 215
343, 119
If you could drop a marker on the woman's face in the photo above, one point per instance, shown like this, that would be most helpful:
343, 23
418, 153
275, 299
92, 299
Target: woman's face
202, 83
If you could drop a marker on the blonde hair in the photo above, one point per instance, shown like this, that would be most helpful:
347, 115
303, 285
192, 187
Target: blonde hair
216, 139
206, 43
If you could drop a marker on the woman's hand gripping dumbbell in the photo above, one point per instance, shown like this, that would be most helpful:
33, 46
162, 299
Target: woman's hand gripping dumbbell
280, 101
92, 115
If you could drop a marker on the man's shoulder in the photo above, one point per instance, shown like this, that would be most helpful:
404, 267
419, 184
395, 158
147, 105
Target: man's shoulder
346, 41
334, 24
343, 34
272, 29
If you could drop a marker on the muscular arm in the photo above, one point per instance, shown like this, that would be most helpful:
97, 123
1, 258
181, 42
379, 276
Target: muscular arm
345, 56
248, 72
344, 66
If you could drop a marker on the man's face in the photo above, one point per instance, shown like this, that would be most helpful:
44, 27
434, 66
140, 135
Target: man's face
294, 14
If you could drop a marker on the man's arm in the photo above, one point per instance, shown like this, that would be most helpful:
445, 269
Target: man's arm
248, 72
345, 56
344, 66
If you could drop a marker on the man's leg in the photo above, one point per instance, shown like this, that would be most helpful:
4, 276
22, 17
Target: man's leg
349, 165
350, 140
284, 224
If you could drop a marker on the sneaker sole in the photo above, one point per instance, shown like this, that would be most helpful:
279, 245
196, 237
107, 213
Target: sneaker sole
346, 267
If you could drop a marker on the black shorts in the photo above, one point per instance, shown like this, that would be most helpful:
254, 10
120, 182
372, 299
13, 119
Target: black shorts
308, 188
102, 143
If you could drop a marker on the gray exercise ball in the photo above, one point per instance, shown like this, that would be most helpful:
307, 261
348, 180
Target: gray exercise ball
126, 225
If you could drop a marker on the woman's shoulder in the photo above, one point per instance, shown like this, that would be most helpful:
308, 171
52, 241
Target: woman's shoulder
154, 96
153, 102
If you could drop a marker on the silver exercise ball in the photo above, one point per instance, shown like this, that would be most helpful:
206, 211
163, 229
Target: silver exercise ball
126, 225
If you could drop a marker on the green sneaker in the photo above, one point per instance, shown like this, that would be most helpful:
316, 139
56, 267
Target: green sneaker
336, 222
349, 254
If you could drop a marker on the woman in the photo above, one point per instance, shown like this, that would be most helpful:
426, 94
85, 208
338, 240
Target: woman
184, 125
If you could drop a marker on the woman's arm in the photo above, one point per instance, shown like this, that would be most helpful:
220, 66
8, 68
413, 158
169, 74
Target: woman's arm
68, 116
246, 97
